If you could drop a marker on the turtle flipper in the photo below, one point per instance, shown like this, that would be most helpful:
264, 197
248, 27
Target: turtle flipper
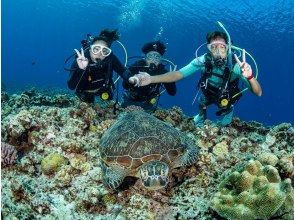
188, 158
154, 174
112, 176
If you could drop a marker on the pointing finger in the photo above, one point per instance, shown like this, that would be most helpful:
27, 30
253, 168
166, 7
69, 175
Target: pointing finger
244, 56
175, 68
237, 59
82, 51
78, 53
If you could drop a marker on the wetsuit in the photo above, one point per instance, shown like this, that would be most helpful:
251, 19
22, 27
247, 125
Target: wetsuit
144, 95
216, 81
96, 79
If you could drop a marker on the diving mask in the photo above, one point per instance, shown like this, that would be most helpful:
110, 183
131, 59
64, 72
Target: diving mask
97, 48
218, 48
153, 56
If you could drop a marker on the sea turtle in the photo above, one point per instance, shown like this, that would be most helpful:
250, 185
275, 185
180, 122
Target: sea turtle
138, 144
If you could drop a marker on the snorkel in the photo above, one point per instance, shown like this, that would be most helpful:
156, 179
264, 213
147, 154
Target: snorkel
229, 56
230, 46
230, 65
126, 57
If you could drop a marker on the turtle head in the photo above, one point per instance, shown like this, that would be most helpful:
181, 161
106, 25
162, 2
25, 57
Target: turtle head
154, 174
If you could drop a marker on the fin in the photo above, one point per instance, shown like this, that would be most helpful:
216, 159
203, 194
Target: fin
112, 176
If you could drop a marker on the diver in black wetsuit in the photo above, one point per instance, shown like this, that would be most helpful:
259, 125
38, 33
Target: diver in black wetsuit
92, 71
146, 96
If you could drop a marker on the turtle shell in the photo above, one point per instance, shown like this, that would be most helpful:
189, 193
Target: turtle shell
138, 137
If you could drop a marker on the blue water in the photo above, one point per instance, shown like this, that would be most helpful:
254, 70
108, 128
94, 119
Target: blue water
38, 35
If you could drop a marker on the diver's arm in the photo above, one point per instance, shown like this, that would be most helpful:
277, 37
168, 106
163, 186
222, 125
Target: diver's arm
174, 76
167, 77
120, 69
248, 74
133, 69
250, 82
143, 78
255, 86
170, 88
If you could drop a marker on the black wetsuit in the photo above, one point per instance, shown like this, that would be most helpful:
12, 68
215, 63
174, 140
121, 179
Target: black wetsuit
141, 96
97, 78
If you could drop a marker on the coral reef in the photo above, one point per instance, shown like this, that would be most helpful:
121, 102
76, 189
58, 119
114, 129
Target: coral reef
255, 192
286, 164
52, 163
8, 154
37, 124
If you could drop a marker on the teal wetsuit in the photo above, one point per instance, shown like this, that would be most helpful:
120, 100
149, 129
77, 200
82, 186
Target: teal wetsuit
199, 64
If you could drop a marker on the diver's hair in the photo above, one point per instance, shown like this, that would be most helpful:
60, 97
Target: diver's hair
108, 36
157, 46
216, 34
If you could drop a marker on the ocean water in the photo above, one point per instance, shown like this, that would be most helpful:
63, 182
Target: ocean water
51, 144
37, 36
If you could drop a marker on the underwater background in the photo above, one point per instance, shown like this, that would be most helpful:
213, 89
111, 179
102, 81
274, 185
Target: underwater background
37, 37
53, 145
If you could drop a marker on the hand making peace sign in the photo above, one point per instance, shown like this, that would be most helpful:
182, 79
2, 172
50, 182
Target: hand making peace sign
82, 60
245, 67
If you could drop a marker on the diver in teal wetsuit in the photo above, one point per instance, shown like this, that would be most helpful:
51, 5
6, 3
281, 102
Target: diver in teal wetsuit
218, 83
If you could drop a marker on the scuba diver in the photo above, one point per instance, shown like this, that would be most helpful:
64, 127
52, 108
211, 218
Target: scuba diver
147, 96
219, 80
92, 71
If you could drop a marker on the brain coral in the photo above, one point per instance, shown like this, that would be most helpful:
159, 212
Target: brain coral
254, 192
